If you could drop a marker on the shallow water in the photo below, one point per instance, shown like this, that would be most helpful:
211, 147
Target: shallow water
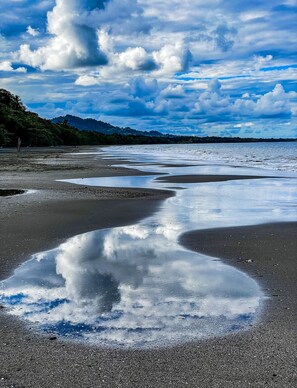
135, 286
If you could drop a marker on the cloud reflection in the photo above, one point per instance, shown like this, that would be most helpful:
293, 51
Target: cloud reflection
130, 287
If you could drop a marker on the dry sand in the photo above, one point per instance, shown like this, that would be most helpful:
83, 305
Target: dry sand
264, 356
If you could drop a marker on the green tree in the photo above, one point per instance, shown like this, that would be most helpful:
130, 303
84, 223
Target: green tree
4, 138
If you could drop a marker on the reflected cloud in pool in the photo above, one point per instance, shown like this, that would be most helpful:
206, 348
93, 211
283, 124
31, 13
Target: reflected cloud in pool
130, 287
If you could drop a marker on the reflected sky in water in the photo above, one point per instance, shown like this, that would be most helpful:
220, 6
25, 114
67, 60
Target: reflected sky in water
135, 286
131, 287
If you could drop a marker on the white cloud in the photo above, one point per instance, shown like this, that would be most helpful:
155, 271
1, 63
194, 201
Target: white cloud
7, 66
271, 104
172, 58
274, 103
74, 42
213, 102
136, 59
173, 91
242, 125
262, 61
20, 70
31, 31
87, 80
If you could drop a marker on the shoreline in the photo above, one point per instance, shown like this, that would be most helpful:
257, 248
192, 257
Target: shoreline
261, 356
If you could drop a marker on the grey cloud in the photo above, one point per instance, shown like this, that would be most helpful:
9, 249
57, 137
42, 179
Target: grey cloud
224, 37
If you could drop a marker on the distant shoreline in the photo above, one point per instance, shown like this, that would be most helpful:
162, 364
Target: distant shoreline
150, 140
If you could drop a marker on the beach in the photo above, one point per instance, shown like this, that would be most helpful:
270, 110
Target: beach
264, 355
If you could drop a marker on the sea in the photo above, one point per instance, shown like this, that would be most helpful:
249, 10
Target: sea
276, 156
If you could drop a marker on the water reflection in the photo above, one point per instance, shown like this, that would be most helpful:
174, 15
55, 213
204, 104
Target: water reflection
135, 286
130, 287
215, 204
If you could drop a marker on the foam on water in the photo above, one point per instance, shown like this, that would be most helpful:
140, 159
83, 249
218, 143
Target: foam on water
279, 156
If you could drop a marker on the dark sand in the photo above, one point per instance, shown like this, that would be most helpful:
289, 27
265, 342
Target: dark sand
264, 356
206, 178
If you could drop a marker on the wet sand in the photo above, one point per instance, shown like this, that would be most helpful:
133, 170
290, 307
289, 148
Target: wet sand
207, 178
264, 356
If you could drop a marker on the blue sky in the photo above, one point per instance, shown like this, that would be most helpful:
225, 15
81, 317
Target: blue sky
216, 67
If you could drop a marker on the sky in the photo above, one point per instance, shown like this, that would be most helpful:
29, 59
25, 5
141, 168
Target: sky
206, 68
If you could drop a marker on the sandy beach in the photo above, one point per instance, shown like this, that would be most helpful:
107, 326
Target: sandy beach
263, 356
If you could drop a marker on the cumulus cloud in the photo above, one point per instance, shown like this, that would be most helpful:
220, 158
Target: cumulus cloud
32, 31
74, 41
136, 59
213, 102
87, 80
173, 58
83, 34
276, 103
173, 91
7, 66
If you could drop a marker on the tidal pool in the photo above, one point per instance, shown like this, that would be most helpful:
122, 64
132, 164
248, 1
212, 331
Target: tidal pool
135, 286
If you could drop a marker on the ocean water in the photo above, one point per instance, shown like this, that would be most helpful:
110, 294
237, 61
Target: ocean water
279, 156
136, 287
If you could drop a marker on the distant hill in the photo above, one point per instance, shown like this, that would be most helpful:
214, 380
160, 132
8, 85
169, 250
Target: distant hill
100, 126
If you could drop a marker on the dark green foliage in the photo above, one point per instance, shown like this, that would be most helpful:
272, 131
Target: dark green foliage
38, 136
4, 139
10, 100
16, 122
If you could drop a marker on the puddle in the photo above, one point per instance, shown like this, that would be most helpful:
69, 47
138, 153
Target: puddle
10, 192
136, 287
130, 287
